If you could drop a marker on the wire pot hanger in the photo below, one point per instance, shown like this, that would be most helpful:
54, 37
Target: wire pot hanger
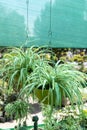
27, 3
50, 24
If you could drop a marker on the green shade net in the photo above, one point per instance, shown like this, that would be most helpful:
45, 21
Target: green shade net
61, 25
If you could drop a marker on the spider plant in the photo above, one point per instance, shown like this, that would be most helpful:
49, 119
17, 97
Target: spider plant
18, 64
56, 83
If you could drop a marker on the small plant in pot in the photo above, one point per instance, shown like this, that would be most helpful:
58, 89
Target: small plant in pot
56, 83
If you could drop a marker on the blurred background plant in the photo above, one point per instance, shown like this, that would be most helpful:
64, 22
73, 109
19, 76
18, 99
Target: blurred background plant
70, 119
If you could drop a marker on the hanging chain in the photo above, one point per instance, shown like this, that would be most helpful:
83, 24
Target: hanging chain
27, 2
50, 21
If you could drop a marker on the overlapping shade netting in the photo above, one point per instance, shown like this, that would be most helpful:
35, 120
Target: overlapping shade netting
52, 23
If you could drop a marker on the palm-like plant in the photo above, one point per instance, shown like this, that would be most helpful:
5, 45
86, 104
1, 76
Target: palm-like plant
59, 82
